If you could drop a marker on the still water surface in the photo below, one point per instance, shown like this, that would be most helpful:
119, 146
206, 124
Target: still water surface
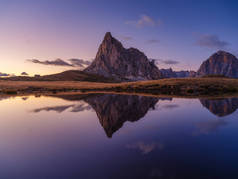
118, 136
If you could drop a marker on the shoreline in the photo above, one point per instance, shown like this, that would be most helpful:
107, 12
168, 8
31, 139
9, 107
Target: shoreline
172, 87
47, 94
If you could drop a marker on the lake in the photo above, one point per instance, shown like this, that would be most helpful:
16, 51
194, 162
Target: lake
118, 136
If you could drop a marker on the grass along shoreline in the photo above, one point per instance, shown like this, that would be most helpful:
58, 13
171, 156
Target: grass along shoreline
171, 86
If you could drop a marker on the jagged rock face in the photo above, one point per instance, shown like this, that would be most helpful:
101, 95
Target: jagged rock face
169, 73
114, 110
220, 63
113, 60
220, 107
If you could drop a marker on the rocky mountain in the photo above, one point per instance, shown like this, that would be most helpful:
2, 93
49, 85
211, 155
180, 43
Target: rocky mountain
113, 60
220, 63
114, 110
169, 73
220, 107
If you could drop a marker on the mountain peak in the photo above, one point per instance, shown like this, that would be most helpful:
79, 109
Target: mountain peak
220, 63
113, 60
108, 43
222, 52
108, 36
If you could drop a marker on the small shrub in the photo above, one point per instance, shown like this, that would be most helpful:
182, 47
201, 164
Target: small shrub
11, 92
214, 76
190, 91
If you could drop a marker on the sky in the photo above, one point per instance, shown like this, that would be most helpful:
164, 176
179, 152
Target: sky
180, 34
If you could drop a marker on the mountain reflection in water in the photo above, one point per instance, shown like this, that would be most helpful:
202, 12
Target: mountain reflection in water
118, 136
220, 107
114, 110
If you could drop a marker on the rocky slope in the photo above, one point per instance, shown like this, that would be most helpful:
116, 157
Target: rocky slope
220, 63
113, 60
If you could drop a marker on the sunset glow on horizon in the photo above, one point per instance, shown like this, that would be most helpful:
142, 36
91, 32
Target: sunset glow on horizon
180, 34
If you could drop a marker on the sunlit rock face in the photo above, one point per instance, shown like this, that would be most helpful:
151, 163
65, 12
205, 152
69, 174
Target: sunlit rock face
113, 60
220, 107
220, 63
114, 110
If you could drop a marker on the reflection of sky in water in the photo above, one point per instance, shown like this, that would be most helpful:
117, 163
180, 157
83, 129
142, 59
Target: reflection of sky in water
50, 137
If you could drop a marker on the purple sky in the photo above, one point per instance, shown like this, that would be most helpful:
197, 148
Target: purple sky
181, 34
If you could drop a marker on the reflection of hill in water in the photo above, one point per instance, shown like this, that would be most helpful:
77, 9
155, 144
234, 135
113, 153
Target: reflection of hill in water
114, 110
220, 107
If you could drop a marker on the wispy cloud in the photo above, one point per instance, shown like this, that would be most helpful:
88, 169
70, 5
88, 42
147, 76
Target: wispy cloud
170, 106
59, 62
170, 62
210, 126
79, 62
144, 20
211, 41
152, 41
145, 148
166, 62
59, 109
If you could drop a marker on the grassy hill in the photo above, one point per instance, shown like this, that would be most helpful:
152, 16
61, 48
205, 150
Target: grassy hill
70, 75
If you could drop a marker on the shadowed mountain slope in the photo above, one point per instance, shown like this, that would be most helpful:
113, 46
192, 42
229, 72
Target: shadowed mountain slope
220, 63
113, 60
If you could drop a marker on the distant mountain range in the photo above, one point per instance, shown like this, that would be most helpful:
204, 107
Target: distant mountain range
114, 63
113, 60
169, 73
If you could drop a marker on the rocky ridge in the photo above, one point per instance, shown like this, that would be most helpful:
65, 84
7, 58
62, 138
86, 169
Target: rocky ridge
113, 60
220, 63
